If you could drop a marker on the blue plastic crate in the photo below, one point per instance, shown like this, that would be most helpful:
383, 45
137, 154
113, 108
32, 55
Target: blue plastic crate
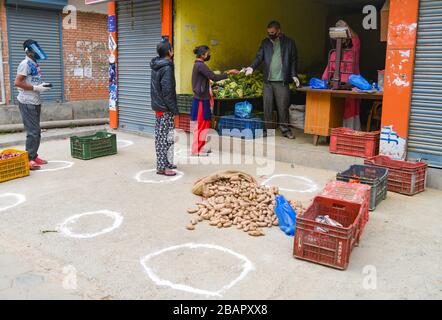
240, 128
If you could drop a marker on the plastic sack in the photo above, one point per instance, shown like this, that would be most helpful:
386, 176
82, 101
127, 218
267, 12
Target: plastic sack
317, 83
286, 216
297, 116
359, 82
243, 110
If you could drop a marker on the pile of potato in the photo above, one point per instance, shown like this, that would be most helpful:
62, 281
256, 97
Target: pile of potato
236, 202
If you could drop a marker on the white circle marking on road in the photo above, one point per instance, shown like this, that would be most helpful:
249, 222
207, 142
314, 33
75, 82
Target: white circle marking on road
311, 186
169, 179
124, 143
66, 165
247, 267
19, 199
65, 229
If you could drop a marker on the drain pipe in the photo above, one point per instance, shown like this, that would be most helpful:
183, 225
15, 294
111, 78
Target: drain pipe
2, 79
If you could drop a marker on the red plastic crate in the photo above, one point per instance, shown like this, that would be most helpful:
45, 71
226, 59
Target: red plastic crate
404, 177
354, 143
331, 248
351, 192
182, 121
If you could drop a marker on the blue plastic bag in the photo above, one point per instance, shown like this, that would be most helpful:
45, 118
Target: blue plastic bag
243, 110
316, 83
286, 216
359, 82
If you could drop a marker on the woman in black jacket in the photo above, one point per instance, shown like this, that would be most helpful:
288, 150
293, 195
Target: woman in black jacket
164, 103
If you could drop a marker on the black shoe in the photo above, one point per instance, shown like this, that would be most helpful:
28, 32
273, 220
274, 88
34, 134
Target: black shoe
289, 135
172, 167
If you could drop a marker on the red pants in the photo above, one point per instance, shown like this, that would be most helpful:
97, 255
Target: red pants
200, 131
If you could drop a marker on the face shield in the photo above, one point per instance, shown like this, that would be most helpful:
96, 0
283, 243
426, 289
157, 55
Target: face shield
39, 53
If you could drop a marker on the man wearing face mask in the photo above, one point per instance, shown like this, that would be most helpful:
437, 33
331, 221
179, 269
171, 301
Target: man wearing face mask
280, 57
30, 86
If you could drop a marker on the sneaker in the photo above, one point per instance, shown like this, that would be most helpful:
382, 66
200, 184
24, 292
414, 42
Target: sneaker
40, 161
33, 166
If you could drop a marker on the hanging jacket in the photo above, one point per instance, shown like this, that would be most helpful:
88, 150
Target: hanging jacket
163, 86
289, 58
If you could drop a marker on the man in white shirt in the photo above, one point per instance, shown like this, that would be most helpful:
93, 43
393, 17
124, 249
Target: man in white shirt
30, 86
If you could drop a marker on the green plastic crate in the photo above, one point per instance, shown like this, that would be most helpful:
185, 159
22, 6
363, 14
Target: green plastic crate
100, 144
184, 103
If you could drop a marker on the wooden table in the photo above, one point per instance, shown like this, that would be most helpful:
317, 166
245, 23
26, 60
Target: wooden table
325, 109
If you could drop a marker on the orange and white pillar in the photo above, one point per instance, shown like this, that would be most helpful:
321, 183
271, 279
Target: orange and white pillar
401, 49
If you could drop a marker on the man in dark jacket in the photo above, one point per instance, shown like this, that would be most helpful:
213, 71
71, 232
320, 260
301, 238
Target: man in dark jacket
164, 103
280, 57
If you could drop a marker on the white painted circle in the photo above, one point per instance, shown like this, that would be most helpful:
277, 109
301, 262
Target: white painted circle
124, 143
186, 154
64, 228
310, 186
139, 178
247, 267
64, 165
19, 199
112, 58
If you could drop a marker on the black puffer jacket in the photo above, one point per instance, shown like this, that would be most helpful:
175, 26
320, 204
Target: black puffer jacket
289, 58
163, 86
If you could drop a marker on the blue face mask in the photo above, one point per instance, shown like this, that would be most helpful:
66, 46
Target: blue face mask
39, 53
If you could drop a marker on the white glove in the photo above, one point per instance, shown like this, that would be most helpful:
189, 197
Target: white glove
297, 82
41, 87
248, 71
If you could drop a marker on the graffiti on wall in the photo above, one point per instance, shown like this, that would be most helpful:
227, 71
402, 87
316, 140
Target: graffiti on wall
113, 87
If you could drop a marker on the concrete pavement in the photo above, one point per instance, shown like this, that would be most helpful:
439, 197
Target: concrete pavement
402, 241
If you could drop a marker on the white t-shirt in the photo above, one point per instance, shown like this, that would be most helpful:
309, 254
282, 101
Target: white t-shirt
30, 69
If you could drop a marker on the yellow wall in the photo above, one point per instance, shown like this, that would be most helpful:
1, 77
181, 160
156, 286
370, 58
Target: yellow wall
234, 29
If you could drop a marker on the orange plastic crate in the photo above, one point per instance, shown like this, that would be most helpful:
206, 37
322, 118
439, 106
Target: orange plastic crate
331, 248
351, 192
354, 143
404, 177
13, 168
182, 121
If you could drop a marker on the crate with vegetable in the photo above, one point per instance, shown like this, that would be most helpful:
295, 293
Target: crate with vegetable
13, 164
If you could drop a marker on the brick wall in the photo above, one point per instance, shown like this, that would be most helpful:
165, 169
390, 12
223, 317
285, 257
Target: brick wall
85, 58
4, 39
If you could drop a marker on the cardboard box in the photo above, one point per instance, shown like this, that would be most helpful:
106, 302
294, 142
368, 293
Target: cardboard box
385, 12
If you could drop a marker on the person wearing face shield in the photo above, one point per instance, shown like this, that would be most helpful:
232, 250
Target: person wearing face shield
280, 57
30, 87
201, 114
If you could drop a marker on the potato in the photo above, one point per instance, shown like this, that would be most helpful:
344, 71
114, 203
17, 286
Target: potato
192, 210
190, 227
227, 224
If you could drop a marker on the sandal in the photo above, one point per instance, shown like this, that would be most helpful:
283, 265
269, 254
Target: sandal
167, 173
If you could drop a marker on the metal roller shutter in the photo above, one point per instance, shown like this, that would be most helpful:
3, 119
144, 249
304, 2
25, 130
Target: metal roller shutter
42, 26
425, 139
139, 31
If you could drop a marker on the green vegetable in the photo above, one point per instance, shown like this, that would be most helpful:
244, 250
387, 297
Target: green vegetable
239, 86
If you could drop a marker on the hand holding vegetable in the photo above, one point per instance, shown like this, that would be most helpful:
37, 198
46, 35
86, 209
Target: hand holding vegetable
233, 72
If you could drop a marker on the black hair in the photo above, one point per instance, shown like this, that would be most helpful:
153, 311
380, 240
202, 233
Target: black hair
274, 24
27, 43
200, 51
163, 48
